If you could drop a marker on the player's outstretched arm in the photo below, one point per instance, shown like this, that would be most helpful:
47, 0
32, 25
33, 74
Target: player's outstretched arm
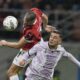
72, 58
44, 20
19, 44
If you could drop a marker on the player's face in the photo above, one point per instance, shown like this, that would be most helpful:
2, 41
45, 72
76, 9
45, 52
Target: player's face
54, 39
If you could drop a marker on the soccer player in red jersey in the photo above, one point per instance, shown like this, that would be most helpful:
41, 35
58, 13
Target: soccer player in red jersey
32, 24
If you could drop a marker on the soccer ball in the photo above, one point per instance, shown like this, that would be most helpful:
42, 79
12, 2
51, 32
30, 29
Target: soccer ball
10, 23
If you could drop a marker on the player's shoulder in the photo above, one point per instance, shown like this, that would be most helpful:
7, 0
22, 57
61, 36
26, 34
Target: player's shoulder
61, 48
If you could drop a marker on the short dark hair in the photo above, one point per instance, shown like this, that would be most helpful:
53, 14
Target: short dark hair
57, 32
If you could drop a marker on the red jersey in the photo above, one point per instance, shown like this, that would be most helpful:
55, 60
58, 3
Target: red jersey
32, 34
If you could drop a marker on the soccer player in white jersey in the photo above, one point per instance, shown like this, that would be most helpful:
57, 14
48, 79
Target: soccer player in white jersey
46, 55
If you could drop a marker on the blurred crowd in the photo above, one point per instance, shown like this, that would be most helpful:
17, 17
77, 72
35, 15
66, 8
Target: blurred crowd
42, 4
64, 14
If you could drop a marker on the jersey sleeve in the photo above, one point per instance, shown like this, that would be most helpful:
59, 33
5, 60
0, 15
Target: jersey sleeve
29, 37
31, 53
71, 57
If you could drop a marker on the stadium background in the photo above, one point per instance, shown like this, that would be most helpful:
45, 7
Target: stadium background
64, 14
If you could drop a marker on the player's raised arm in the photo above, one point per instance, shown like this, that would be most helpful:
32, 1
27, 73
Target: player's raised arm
72, 58
45, 20
50, 28
47, 27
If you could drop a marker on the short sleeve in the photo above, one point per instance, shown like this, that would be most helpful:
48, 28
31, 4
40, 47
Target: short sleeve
32, 52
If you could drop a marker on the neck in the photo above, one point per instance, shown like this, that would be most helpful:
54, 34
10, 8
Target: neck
52, 47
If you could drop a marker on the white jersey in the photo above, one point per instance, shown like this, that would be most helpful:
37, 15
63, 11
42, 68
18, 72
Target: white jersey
45, 61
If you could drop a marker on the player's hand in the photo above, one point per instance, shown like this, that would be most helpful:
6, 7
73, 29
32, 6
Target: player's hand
50, 28
3, 42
